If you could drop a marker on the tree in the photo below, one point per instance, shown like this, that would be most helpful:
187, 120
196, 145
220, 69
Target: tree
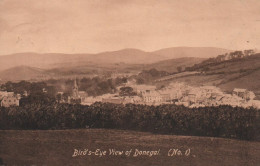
248, 52
127, 91
140, 80
179, 69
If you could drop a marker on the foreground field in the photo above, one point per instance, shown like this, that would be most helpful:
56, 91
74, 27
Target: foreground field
57, 148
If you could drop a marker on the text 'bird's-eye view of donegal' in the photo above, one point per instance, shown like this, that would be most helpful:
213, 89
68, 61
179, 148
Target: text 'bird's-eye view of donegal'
130, 82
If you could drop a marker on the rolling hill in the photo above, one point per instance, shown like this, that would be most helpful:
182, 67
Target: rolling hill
171, 65
55, 60
70, 70
39, 60
230, 74
127, 56
27, 66
199, 52
22, 73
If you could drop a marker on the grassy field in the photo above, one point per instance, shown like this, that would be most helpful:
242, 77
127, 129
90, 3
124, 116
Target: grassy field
57, 147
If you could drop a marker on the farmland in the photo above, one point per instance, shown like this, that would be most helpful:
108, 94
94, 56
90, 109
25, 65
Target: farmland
56, 147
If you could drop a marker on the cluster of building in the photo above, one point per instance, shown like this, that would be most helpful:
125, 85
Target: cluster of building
8, 99
190, 96
175, 93
202, 96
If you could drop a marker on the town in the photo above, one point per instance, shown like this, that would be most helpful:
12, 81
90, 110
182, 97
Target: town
175, 93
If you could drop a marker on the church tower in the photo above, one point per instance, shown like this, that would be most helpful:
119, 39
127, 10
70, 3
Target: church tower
75, 90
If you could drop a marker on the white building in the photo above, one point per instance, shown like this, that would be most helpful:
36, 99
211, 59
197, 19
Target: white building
8, 99
244, 93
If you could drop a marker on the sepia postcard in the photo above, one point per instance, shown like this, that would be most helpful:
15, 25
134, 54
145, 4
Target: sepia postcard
130, 82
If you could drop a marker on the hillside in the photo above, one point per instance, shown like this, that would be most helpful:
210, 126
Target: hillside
130, 56
230, 74
56, 147
229, 66
127, 56
199, 52
38, 60
171, 65
249, 81
22, 73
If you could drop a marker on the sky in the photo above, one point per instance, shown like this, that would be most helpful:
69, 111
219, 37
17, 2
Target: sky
91, 26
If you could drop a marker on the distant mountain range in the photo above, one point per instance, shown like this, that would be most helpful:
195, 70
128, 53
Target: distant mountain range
127, 56
198, 52
69, 70
226, 73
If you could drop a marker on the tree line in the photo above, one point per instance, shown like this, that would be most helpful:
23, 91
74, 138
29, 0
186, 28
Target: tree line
221, 121
93, 86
